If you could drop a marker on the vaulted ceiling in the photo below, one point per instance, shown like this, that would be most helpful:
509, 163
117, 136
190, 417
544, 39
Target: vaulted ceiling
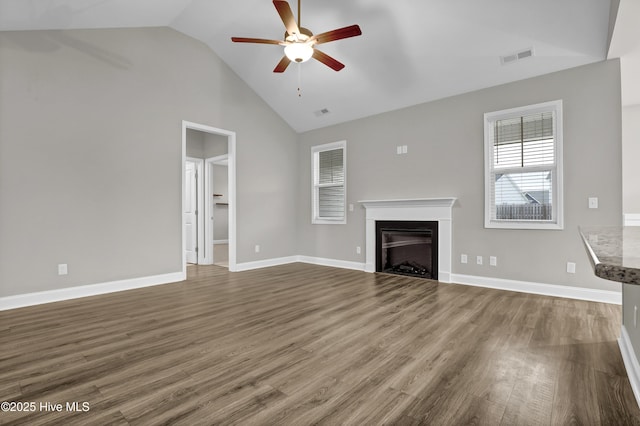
410, 51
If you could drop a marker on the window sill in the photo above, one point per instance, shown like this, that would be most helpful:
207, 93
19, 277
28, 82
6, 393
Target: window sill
328, 222
524, 225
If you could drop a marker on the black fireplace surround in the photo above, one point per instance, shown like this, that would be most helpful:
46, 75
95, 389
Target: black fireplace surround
407, 248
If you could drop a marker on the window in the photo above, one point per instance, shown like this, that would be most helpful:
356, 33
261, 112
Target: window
329, 183
523, 167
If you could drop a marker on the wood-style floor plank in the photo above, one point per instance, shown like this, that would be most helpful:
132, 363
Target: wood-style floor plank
301, 344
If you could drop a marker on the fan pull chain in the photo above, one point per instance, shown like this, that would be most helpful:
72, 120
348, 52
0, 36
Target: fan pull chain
299, 80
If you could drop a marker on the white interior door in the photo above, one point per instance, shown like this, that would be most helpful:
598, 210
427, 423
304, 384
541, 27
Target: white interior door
191, 212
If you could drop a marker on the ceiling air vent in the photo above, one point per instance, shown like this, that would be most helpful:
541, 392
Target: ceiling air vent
321, 112
515, 57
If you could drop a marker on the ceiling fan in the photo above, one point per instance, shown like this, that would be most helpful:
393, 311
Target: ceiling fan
299, 43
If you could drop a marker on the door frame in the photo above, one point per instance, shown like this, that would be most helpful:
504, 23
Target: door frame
202, 231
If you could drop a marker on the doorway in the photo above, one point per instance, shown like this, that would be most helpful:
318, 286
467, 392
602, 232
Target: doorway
213, 149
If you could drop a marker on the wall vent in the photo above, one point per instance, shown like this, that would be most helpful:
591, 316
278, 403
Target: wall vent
515, 57
321, 112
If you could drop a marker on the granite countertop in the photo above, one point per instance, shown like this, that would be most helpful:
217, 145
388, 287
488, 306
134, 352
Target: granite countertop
614, 252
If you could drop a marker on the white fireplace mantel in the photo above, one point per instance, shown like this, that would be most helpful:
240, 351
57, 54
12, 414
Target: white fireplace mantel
427, 209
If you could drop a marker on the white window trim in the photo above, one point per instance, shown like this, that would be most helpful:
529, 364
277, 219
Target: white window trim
314, 194
558, 195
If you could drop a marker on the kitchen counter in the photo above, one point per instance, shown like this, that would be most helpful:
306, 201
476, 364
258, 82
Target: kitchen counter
614, 252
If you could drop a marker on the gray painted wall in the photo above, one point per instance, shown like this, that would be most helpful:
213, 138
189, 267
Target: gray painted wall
630, 156
205, 145
445, 159
90, 155
214, 145
195, 144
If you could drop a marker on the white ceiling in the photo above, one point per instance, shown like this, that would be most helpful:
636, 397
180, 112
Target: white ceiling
411, 51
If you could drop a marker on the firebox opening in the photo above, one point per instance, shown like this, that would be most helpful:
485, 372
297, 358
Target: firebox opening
407, 248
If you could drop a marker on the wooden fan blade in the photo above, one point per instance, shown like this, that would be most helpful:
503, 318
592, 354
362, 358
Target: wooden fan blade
327, 60
340, 33
282, 65
255, 40
284, 10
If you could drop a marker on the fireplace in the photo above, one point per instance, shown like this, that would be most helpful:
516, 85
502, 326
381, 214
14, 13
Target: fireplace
439, 210
407, 248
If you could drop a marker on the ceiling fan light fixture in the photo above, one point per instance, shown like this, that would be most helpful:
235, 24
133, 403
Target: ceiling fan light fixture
299, 51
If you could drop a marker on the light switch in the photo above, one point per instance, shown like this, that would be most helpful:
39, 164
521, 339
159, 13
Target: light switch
593, 202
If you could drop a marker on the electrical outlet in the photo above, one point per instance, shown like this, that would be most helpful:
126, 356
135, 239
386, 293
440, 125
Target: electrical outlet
350, 207
358, 250
63, 269
404, 149
493, 261
479, 260
463, 258
399, 149
571, 267
257, 248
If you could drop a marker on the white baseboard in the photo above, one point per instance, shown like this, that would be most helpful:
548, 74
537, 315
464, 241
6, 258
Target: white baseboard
630, 362
570, 292
220, 242
632, 219
247, 266
38, 298
444, 277
344, 264
29, 299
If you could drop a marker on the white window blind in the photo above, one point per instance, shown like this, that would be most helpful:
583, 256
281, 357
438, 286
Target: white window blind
329, 183
523, 150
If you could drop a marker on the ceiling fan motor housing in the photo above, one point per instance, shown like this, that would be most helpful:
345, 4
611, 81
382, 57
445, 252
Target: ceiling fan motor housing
305, 34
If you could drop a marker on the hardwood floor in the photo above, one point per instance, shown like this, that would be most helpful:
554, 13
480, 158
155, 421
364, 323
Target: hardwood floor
301, 344
221, 255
